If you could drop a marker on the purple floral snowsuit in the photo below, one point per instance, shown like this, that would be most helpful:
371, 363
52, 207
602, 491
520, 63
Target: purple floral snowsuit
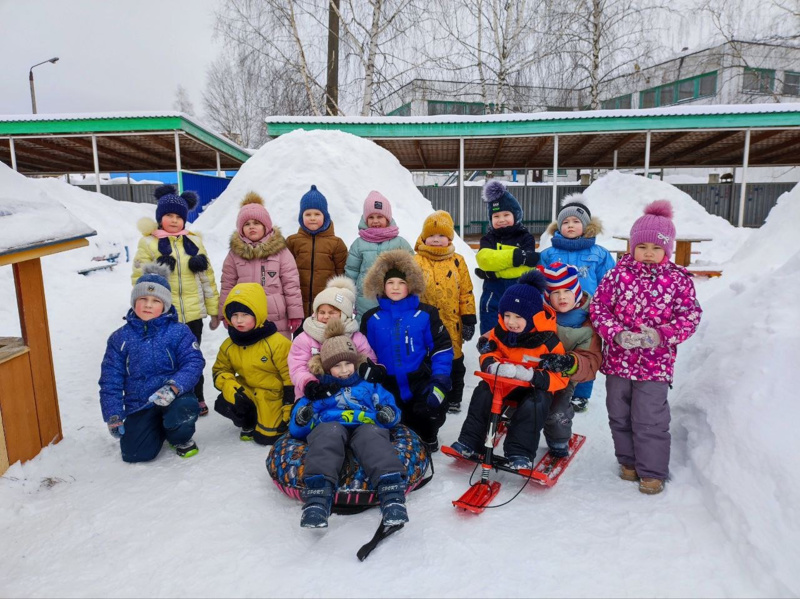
660, 296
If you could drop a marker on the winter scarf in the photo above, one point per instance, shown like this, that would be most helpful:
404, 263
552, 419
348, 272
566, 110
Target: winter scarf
571, 245
374, 235
351, 381
243, 339
434, 253
197, 262
316, 330
572, 319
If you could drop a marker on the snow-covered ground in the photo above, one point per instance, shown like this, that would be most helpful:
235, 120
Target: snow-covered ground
77, 521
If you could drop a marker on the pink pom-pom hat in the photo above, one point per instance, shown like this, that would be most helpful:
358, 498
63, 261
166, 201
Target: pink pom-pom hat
656, 227
376, 203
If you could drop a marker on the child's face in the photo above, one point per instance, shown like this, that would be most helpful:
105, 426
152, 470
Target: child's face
395, 289
572, 227
254, 230
172, 223
325, 312
377, 221
148, 307
562, 300
243, 322
502, 219
343, 370
437, 241
313, 219
514, 322
649, 253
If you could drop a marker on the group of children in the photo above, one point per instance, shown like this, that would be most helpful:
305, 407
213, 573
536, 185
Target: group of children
378, 334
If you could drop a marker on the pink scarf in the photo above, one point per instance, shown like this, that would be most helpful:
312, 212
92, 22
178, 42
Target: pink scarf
161, 233
374, 235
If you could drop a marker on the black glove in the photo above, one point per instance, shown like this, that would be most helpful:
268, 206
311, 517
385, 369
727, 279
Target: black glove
241, 396
467, 331
557, 362
486, 346
316, 390
525, 257
385, 414
288, 395
372, 372
304, 415
485, 274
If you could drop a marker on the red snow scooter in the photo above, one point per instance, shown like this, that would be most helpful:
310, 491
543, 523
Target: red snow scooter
546, 472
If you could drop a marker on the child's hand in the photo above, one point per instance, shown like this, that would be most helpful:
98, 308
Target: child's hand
628, 339
372, 372
316, 391
163, 397
467, 331
485, 274
508, 371
116, 427
650, 337
294, 324
304, 415
437, 391
525, 257
385, 414
557, 362
241, 396
486, 346
214, 323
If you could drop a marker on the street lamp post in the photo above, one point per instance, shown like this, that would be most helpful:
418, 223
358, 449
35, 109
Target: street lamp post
30, 79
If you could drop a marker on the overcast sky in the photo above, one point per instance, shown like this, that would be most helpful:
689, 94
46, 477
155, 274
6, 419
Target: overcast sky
114, 54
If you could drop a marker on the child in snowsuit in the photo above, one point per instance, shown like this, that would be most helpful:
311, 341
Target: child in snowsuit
259, 254
319, 254
448, 287
377, 233
584, 347
191, 278
335, 301
507, 251
644, 307
574, 242
351, 413
148, 374
410, 341
526, 330
251, 369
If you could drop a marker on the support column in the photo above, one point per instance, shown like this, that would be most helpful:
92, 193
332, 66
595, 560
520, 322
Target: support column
219, 166
96, 164
743, 188
647, 156
13, 153
616, 155
178, 161
461, 186
555, 177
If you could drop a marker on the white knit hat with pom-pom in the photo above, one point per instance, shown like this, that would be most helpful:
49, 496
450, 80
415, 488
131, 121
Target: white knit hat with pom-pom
340, 292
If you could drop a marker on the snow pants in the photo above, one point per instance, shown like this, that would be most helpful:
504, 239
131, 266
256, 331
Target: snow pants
638, 414
584, 389
558, 425
146, 429
415, 413
457, 374
371, 445
524, 427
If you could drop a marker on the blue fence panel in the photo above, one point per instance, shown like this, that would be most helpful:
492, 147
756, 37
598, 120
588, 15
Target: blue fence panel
207, 187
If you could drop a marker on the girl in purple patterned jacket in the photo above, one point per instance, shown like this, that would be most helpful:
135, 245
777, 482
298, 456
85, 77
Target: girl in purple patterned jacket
643, 308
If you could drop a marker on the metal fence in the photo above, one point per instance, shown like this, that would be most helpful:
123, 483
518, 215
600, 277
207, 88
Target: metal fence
721, 200
140, 193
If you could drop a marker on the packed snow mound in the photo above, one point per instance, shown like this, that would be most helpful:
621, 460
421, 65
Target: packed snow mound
734, 403
618, 199
345, 168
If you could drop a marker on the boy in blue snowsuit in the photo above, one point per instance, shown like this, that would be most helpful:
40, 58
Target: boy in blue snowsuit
347, 411
574, 242
148, 374
411, 341
507, 251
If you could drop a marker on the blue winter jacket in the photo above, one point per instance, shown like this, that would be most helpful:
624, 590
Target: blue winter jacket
410, 340
141, 357
355, 404
592, 261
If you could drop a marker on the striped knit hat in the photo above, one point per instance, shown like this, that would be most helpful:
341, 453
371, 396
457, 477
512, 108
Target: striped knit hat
561, 276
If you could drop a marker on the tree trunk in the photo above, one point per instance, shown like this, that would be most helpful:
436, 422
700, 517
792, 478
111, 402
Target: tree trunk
369, 71
332, 86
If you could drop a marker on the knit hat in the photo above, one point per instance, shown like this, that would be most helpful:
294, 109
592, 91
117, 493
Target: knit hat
655, 226
438, 223
574, 205
253, 207
499, 199
169, 202
232, 308
376, 203
525, 298
340, 292
561, 276
154, 281
314, 200
338, 346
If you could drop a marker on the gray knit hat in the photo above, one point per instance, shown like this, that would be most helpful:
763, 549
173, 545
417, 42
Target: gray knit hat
574, 205
154, 281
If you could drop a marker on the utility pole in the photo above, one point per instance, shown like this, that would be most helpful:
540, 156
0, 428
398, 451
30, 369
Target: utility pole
332, 85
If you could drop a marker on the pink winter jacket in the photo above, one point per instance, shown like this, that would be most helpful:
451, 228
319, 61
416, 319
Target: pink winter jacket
660, 296
272, 265
305, 346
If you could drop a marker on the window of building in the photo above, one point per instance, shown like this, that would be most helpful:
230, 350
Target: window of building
617, 103
707, 85
683, 90
686, 90
648, 99
404, 110
666, 95
791, 84
471, 108
758, 81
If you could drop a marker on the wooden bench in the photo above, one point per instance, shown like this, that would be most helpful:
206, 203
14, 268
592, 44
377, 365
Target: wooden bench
86, 271
706, 273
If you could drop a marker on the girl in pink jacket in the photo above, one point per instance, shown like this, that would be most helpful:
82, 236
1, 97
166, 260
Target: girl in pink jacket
643, 308
337, 300
259, 254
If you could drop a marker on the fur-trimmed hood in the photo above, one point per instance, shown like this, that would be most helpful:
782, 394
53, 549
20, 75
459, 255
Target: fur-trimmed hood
403, 261
594, 229
271, 246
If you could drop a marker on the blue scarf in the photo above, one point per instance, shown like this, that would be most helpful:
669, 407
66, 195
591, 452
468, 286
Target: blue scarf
573, 319
351, 381
571, 245
325, 225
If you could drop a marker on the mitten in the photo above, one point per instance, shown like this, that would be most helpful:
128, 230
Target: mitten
628, 340
508, 371
485, 274
486, 346
437, 390
288, 402
214, 323
385, 414
557, 362
241, 396
525, 257
316, 390
372, 372
294, 323
650, 337
116, 427
163, 397
304, 415
467, 331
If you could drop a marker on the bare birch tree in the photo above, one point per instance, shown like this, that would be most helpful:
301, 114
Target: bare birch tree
183, 103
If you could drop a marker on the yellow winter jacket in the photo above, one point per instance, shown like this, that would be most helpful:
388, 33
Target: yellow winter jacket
194, 295
261, 369
448, 287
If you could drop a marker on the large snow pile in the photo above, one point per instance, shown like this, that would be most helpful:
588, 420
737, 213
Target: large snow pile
618, 199
735, 402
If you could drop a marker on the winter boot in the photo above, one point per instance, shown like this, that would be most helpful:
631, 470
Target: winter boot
318, 497
464, 450
651, 486
558, 450
203, 407
628, 473
186, 450
454, 408
432, 444
580, 404
519, 462
392, 495
247, 434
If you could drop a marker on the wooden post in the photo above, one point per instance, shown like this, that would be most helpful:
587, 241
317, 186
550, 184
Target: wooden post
743, 189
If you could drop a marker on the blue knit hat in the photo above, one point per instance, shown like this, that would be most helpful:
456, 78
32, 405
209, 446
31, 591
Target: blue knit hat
154, 281
499, 199
169, 202
314, 200
525, 298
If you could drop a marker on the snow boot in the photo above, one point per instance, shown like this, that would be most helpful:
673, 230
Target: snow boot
318, 497
580, 404
203, 407
558, 450
186, 450
519, 462
464, 450
247, 434
651, 486
628, 473
432, 445
392, 495
454, 408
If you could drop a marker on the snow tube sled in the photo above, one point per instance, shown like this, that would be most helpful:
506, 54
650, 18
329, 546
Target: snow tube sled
285, 465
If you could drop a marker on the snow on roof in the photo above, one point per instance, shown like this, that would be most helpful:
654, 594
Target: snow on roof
32, 217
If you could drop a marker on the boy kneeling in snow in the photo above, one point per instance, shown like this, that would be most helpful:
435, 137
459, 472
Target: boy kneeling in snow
357, 415
148, 374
